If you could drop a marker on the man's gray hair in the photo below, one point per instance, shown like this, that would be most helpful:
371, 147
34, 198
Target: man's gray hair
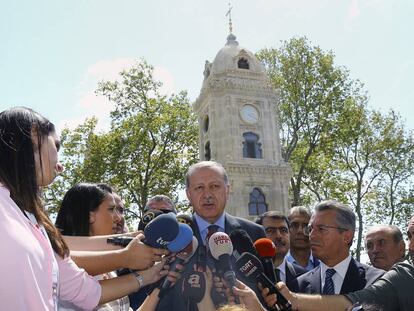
205, 164
161, 198
301, 210
345, 217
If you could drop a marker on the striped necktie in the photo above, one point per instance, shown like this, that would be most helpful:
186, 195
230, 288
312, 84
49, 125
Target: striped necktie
211, 229
329, 288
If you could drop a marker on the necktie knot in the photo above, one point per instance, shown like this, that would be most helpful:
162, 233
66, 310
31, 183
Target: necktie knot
277, 274
330, 273
211, 229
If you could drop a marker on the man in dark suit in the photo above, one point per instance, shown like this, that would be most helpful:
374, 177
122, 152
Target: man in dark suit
207, 189
276, 226
331, 231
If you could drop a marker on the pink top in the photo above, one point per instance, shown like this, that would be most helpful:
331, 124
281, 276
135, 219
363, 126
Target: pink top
26, 266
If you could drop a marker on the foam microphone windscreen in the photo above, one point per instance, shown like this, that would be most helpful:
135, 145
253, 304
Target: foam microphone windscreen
185, 219
184, 237
194, 286
251, 268
221, 249
265, 247
242, 243
220, 244
147, 217
267, 250
160, 231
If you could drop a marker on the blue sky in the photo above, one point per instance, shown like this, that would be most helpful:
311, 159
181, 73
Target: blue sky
53, 52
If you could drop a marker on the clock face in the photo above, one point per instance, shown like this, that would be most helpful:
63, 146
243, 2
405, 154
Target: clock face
249, 114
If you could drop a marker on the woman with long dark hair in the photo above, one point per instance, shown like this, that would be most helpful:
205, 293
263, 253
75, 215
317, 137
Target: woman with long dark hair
89, 209
35, 265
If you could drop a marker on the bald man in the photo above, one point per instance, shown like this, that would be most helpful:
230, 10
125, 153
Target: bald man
385, 246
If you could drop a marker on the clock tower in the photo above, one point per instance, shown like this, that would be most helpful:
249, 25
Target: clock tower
238, 127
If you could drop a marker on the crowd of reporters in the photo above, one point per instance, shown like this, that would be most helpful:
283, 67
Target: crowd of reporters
205, 261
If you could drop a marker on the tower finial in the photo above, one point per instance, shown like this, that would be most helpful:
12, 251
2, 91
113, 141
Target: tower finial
229, 15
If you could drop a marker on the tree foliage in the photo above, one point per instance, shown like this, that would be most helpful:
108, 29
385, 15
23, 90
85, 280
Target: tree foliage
338, 148
152, 141
313, 92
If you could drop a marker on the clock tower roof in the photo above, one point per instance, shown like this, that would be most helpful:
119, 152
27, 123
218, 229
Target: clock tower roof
229, 57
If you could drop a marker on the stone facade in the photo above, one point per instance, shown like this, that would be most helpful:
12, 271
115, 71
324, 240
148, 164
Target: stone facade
238, 127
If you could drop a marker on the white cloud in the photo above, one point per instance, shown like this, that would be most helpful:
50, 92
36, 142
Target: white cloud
91, 104
162, 74
107, 70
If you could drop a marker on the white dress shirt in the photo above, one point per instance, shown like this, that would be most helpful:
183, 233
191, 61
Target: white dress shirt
282, 270
338, 278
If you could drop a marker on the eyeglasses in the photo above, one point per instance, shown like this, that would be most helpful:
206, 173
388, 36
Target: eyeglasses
322, 229
299, 227
273, 230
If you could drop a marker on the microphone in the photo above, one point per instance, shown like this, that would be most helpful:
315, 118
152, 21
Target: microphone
185, 219
182, 257
183, 238
251, 267
119, 240
221, 249
267, 250
160, 231
147, 217
242, 243
194, 286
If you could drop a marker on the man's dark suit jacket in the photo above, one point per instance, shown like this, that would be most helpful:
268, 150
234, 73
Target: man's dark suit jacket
357, 277
174, 299
293, 271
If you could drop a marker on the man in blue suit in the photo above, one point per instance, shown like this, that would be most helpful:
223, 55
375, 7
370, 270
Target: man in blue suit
331, 231
207, 189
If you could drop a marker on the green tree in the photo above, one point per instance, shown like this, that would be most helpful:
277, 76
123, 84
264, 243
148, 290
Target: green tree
392, 203
337, 147
152, 140
369, 161
313, 92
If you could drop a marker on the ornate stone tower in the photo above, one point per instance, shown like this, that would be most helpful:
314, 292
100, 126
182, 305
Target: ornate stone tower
238, 125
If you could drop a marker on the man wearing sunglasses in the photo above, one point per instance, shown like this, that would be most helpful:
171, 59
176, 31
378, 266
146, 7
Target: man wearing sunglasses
331, 231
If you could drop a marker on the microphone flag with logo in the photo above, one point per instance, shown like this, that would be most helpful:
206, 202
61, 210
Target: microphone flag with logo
147, 217
160, 231
252, 269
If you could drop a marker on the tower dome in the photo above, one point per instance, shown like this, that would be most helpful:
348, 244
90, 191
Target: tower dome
233, 56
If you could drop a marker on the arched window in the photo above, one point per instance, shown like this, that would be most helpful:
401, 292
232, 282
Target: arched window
257, 202
206, 123
207, 151
243, 63
251, 146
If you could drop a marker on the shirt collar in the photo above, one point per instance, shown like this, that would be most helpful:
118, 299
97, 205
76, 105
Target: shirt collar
282, 270
203, 224
282, 266
341, 268
311, 262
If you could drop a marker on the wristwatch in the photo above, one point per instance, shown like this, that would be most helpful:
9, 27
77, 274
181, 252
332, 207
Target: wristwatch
139, 278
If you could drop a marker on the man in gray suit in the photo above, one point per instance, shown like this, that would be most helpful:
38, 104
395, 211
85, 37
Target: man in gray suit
207, 189
331, 231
